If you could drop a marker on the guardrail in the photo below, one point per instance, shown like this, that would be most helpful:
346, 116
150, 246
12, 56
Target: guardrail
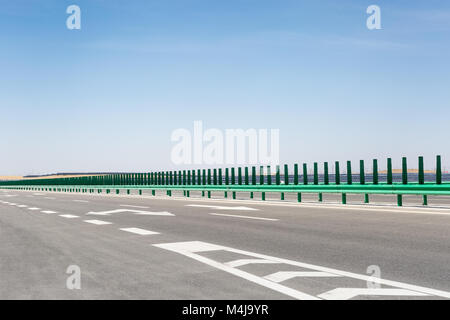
228, 180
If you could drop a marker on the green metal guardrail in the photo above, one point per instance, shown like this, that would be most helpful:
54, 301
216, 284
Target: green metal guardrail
209, 180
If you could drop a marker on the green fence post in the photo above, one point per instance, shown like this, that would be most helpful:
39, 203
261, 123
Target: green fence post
227, 176
425, 200
263, 196
404, 171
277, 175
189, 177
215, 176
326, 179
389, 171
316, 173
399, 200
438, 170
209, 176
246, 175
234, 195
344, 198
199, 177
220, 176
239, 176
233, 177
204, 177
362, 175
320, 197
286, 174
337, 173
253, 175
193, 178
282, 196
375, 171
296, 174
349, 172
261, 175
299, 197
305, 174
269, 176
421, 171
366, 198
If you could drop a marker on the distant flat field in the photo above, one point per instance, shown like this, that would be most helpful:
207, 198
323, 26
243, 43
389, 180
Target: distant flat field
45, 177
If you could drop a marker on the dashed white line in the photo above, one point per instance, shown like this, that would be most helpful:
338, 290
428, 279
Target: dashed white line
48, 211
244, 217
80, 200
22, 206
69, 216
139, 231
34, 209
97, 222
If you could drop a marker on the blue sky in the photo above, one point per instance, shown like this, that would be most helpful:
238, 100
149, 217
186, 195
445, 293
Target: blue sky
108, 96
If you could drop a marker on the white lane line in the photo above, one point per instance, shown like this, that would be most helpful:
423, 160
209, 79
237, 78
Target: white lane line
34, 209
138, 212
243, 262
139, 231
48, 211
244, 217
191, 248
49, 198
97, 222
222, 207
348, 293
12, 204
22, 206
131, 206
68, 216
286, 275
80, 200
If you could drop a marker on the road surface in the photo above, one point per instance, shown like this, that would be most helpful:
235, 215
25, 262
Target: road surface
143, 247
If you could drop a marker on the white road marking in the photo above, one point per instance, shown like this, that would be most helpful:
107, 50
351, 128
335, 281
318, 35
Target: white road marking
222, 207
243, 262
38, 194
188, 249
22, 206
34, 209
138, 212
12, 204
139, 231
68, 216
49, 198
97, 222
80, 200
244, 217
286, 275
348, 293
131, 206
48, 211
192, 248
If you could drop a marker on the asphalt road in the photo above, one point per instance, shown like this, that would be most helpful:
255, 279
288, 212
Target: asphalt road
201, 248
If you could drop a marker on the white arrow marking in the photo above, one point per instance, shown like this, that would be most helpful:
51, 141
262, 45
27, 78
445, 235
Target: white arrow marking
348, 293
286, 275
243, 262
222, 207
138, 212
